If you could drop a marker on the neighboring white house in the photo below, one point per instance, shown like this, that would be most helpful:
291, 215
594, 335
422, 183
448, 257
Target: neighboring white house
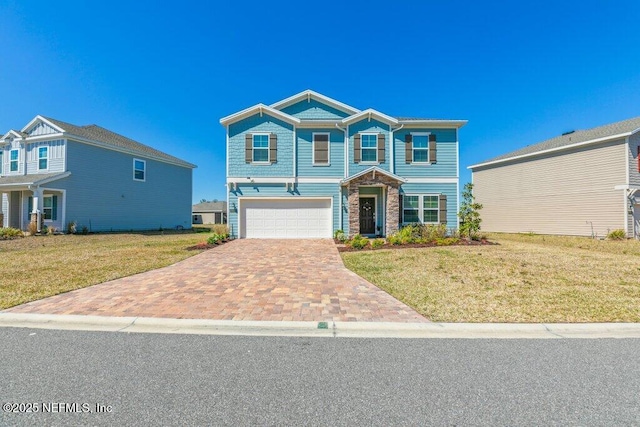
209, 213
583, 183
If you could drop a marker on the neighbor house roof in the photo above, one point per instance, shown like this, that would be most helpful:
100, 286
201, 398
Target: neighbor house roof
105, 136
209, 207
611, 131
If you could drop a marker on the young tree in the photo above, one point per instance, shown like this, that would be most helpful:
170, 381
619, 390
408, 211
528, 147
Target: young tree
469, 214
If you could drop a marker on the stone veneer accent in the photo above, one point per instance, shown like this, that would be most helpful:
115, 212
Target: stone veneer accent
34, 219
392, 209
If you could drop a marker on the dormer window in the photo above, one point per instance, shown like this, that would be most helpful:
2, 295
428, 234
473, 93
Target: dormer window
13, 160
43, 158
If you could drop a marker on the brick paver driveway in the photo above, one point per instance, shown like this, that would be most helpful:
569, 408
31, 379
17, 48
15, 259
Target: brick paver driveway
241, 280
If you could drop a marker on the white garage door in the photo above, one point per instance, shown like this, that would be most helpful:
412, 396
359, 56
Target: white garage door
285, 219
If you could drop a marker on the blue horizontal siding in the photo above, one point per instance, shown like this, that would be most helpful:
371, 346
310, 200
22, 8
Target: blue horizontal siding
314, 110
446, 155
444, 188
256, 123
366, 125
305, 154
102, 195
279, 190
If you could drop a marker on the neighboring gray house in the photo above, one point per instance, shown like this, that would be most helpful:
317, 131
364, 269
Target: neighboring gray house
580, 183
63, 173
210, 213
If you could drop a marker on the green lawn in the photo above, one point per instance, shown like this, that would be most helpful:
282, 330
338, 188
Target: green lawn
523, 279
40, 266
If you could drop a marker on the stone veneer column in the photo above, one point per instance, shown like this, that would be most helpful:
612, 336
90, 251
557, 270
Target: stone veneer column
354, 209
393, 210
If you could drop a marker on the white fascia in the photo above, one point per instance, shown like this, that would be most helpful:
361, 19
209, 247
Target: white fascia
434, 123
259, 109
370, 113
13, 133
553, 150
309, 94
41, 119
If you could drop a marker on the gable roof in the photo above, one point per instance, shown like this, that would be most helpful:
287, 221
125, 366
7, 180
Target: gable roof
374, 169
309, 94
611, 131
209, 206
370, 112
262, 109
109, 139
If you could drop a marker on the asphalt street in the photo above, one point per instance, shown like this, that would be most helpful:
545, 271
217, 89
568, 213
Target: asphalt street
110, 378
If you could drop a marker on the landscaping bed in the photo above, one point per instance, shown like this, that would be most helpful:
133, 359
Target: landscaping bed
343, 247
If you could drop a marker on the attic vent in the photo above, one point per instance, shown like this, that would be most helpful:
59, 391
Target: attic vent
568, 133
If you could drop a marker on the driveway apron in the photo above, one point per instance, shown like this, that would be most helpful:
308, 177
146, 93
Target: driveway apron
295, 280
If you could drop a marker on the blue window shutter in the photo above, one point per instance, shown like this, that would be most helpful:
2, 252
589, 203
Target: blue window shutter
30, 208
54, 208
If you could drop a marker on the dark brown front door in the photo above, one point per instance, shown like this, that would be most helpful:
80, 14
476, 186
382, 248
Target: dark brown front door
367, 215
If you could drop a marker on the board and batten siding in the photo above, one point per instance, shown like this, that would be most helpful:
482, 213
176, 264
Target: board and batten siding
563, 193
279, 190
102, 195
314, 110
56, 155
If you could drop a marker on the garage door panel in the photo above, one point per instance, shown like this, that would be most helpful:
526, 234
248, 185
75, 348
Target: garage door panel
299, 218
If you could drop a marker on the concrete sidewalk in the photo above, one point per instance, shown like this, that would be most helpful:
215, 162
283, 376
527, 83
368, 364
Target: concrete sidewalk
322, 329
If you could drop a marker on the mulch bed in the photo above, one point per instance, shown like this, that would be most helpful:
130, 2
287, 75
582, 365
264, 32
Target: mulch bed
204, 246
344, 248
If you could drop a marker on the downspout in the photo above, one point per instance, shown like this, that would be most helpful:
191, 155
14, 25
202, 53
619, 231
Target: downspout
392, 147
345, 175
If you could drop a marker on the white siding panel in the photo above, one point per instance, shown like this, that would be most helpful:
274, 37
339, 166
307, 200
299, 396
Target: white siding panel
556, 194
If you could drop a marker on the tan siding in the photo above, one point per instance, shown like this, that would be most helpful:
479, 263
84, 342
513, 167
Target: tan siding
555, 194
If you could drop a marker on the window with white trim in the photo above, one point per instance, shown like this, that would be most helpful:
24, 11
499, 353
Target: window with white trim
420, 208
47, 208
420, 148
139, 170
369, 148
13, 160
43, 158
320, 149
260, 148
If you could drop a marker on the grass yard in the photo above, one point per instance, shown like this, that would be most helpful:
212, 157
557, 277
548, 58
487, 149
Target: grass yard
37, 267
523, 279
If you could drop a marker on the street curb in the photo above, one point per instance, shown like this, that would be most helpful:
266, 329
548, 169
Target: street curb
327, 329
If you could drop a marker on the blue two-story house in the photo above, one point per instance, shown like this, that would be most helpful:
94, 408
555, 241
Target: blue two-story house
309, 165
55, 173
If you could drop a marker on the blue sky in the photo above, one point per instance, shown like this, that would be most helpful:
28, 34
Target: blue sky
520, 72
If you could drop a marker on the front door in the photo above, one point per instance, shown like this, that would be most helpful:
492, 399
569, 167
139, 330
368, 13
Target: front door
367, 215
15, 200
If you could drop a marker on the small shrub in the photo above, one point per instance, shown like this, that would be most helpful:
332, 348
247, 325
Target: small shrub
358, 242
394, 239
44, 230
9, 233
447, 241
32, 228
84, 230
430, 233
340, 236
71, 227
221, 229
51, 231
617, 235
377, 243
215, 239
409, 234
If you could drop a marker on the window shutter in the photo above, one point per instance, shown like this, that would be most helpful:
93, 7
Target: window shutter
248, 148
54, 208
273, 148
356, 148
432, 148
443, 208
321, 151
30, 205
638, 158
408, 148
400, 197
381, 148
